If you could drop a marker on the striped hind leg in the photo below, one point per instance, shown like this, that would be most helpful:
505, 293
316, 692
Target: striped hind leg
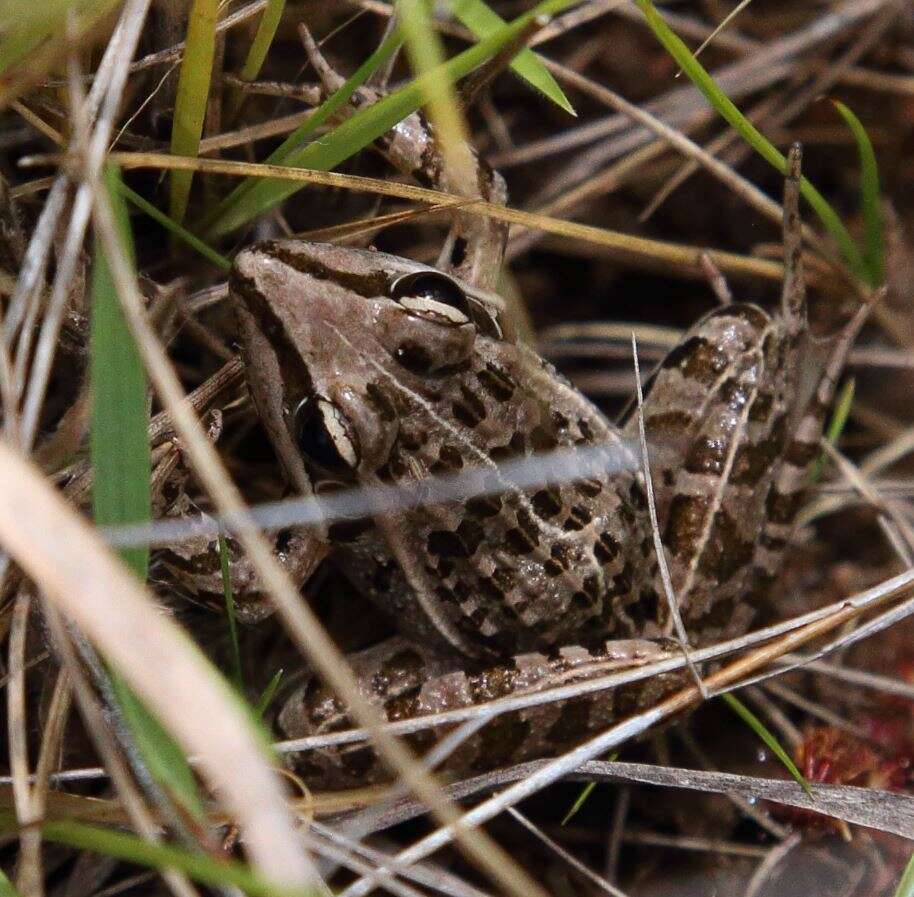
803, 444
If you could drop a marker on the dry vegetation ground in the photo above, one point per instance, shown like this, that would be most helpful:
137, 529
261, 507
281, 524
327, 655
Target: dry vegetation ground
848, 719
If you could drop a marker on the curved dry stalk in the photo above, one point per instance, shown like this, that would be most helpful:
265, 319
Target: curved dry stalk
628, 247
77, 572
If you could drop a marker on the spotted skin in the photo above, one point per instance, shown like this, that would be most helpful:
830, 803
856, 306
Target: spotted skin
420, 391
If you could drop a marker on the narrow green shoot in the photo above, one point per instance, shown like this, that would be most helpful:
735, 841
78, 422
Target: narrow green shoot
229, 594
754, 723
837, 424
482, 20
237, 203
132, 849
257, 53
426, 55
121, 464
366, 125
870, 200
906, 884
725, 107
181, 233
192, 97
7, 889
269, 693
579, 802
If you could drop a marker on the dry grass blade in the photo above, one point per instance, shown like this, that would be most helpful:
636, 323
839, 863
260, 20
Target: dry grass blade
75, 571
654, 253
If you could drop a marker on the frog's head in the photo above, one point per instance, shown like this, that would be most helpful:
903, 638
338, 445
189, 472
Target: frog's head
337, 340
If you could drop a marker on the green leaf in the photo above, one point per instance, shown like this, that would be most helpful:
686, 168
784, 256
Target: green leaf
269, 693
579, 802
257, 52
6, 886
906, 884
369, 123
725, 107
230, 614
236, 202
754, 723
182, 233
870, 202
836, 425
119, 447
132, 849
192, 96
120, 417
483, 21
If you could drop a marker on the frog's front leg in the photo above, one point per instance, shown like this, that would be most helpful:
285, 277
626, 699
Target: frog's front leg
405, 680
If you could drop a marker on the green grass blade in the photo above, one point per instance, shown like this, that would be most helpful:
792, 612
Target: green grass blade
870, 201
119, 443
257, 52
754, 723
235, 203
230, 614
426, 55
7, 888
483, 21
269, 693
132, 849
192, 96
836, 425
368, 124
906, 884
725, 107
33, 36
579, 802
119, 448
182, 233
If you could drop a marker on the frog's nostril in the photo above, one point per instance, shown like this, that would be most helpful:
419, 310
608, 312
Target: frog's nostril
325, 436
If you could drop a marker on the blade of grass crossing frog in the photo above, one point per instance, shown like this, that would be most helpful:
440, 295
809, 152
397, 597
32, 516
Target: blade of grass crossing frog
257, 52
368, 124
730, 113
870, 200
192, 96
121, 466
754, 723
482, 20
229, 595
426, 56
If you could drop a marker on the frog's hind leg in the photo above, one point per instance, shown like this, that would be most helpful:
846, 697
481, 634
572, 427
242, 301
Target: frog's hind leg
803, 440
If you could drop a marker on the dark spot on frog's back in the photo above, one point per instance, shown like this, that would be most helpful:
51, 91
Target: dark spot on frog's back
470, 411
727, 553
754, 316
500, 740
446, 544
707, 455
685, 523
698, 359
497, 382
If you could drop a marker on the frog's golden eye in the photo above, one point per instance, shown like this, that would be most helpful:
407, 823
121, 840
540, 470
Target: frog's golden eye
433, 296
325, 436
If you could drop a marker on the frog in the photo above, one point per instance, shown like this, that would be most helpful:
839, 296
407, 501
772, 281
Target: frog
380, 373
374, 371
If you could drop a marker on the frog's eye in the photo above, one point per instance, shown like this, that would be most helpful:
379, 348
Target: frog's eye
433, 296
325, 436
